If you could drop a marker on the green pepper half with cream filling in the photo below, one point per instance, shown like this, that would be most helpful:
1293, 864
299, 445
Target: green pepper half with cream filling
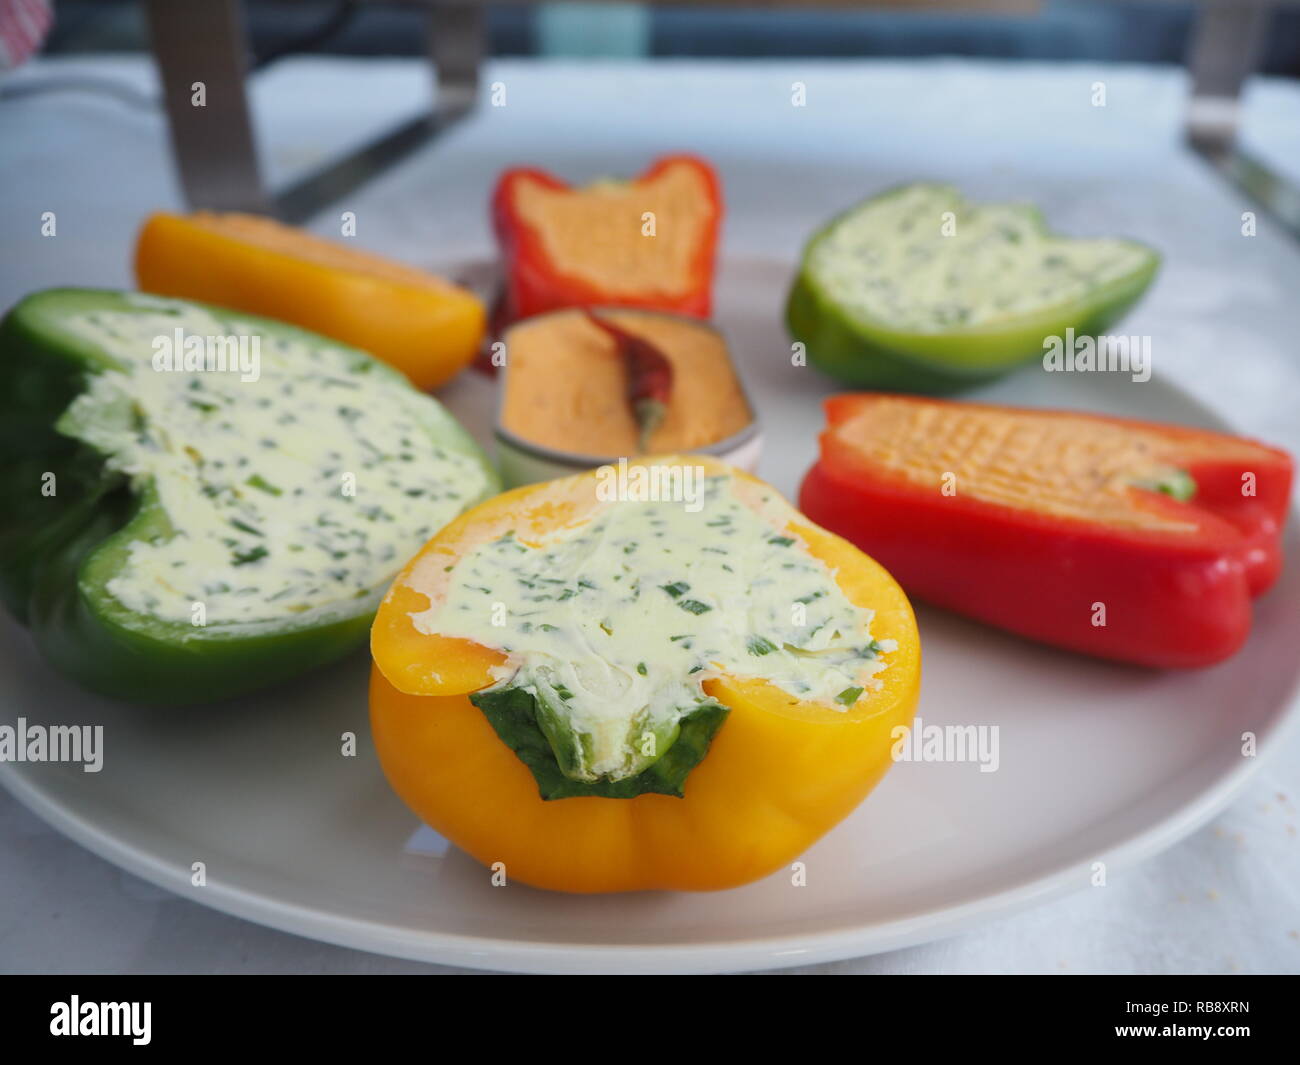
917, 290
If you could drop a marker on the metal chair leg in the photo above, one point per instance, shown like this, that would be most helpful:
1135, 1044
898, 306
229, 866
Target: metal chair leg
200, 50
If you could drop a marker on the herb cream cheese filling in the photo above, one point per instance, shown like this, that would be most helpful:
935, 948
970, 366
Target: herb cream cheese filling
303, 485
923, 260
614, 625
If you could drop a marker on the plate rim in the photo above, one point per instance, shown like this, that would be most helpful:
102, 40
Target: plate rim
554, 956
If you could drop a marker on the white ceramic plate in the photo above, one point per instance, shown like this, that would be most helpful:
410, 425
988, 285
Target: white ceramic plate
1098, 762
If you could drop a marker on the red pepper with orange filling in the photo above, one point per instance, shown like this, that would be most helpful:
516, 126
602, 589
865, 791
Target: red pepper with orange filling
648, 242
1127, 540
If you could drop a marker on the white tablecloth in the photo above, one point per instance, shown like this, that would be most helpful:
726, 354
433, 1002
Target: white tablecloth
1225, 900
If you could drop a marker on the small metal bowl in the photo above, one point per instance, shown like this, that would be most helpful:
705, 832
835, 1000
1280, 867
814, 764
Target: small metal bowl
523, 462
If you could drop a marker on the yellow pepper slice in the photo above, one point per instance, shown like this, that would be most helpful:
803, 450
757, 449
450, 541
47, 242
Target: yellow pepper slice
779, 774
424, 326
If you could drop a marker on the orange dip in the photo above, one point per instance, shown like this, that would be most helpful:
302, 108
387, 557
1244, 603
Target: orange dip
566, 384
1053, 462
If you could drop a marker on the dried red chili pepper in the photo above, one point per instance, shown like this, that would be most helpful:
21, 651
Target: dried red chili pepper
649, 377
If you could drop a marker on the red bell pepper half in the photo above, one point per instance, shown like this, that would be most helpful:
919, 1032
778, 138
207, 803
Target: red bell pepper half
648, 242
1123, 539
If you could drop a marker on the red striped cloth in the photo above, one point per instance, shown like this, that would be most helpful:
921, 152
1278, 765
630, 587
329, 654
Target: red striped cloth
23, 26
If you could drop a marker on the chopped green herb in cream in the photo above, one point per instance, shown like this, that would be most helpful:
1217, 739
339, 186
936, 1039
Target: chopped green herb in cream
280, 499
632, 635
923, 260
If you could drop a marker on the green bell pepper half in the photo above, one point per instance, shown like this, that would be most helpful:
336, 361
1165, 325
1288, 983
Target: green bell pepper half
865, 352
59, 551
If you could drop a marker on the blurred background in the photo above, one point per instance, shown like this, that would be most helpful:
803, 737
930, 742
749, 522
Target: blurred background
1155, 31
231, 155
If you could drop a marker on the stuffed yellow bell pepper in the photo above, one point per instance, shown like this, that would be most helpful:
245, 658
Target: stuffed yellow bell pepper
650, 676
418, 323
